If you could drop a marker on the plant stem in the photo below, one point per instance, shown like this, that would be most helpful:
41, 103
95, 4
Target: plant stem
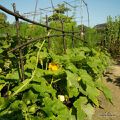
27, 81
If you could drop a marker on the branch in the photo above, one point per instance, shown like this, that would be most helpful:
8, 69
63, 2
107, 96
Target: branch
37, 39
30, 21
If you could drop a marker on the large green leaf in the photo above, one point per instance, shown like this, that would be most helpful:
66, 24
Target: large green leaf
4, 103
72, 79
107, 93
78, 105
44, 88
71, 67
1, 50
39, 78
13, 75
43, 55
96, 64
100, 85
30, 63
21, 87
86, 78
89, 110
83, 109
72, 84
93, 94
77, 56
29, 96
56, 108
15, 105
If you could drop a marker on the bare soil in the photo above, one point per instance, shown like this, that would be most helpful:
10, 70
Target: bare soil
109, 111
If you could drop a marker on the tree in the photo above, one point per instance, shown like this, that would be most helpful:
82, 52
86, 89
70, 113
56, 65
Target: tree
58, 14
59, 20
61, 9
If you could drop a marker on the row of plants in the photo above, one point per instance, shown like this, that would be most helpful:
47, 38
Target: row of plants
57, 86
110, 35
113, 35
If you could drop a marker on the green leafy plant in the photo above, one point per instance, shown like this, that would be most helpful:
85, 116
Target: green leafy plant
74, 76
56, 86
110, 35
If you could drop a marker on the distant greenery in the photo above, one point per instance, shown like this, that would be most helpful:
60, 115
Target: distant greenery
110, 36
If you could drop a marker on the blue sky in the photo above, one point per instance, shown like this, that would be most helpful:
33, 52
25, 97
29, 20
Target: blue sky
98, 9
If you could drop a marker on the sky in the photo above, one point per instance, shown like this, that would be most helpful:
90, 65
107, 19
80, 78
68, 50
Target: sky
98, 9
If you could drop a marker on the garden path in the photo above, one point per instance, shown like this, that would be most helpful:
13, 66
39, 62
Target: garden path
112, 81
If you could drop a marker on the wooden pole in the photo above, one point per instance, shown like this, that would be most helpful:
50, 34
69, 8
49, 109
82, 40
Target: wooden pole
21, 64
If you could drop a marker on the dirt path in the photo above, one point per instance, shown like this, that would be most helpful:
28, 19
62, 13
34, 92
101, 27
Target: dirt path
110, 112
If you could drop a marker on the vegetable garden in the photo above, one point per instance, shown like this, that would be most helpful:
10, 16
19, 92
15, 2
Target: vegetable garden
48, 73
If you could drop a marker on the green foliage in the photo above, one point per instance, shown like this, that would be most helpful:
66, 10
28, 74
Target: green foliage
59, 16
91, 37
72, 75
110, 36
3, 17
3, 25
58, 41
57, 86
61, 9
83, 108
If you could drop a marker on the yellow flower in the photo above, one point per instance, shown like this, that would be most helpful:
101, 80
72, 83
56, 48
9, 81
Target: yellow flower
53, 66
